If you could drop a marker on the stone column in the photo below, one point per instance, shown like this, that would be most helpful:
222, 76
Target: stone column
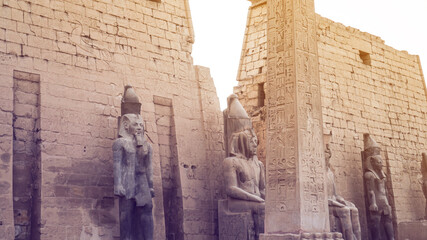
296, 200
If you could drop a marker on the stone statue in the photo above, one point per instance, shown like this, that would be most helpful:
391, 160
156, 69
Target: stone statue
345, 211
133, 172
243, 172
424, 173
380, 212
235, 120
241, 215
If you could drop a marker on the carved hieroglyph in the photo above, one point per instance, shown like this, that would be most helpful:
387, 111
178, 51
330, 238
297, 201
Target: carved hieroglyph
296, 197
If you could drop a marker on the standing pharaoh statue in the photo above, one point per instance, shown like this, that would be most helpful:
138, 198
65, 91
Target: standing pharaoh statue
380, 212
244, 178
345, 211
133, 172
424, 173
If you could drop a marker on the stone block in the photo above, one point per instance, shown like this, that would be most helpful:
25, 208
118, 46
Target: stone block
17, 15
236, 222
416, 230
302, 236
13, 48
42, 11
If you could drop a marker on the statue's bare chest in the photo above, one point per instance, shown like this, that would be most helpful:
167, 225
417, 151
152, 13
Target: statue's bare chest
248, 173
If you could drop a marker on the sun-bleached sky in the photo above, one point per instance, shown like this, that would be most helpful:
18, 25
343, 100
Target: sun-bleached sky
219, 27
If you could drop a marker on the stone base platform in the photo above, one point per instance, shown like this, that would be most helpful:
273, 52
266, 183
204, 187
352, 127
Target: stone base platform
416, 230
303, 236
240, 219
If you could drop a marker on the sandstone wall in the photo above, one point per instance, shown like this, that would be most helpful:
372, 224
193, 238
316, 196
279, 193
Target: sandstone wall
367, 87
252, 73
85, 52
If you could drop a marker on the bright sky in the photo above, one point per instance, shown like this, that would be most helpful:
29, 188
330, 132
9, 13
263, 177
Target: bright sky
219, 26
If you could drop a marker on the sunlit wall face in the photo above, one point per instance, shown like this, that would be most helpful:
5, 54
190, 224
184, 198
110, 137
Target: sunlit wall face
219, 30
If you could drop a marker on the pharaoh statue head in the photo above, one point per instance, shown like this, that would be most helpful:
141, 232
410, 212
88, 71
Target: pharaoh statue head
371, 149
236, 120
130, 101
372, 154
243, 144
370, 145
376, 162
131, 122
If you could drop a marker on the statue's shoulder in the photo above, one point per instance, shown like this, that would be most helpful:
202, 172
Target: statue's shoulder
231, 161
260, 163
235, 163
119, 143
370, 175
150, 148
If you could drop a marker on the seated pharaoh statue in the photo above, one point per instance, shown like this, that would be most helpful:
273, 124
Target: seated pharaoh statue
344, 216
241, 215
243, 172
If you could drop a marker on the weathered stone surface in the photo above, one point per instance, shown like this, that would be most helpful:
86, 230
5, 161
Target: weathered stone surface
303, 236
386, 98
424, 173
26, 155
343, 215
416, 230
84, 54
243, 220
296, 184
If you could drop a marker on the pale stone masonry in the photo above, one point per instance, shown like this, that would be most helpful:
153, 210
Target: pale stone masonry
26, 154
75, 57
296, 196
84, 52
366, 87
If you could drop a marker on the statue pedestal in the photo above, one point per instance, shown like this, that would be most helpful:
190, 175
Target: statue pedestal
240, 219
334, 222
302, 236
416, 230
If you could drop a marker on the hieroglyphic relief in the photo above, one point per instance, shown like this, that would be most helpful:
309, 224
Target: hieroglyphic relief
294, 133
282, 135
309, 110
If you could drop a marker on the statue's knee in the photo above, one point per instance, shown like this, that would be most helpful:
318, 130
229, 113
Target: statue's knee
146, 209
149, 207
388, 218
344, 211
